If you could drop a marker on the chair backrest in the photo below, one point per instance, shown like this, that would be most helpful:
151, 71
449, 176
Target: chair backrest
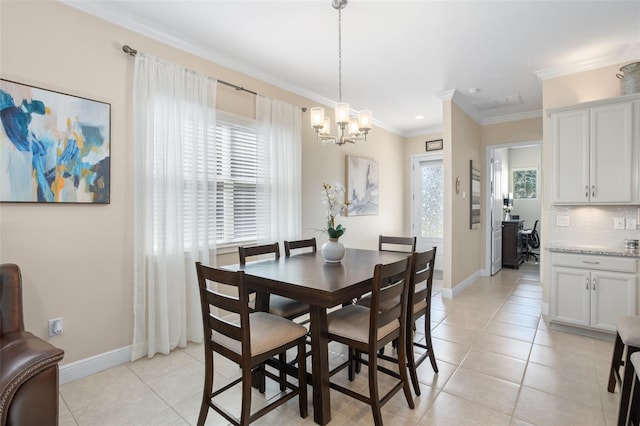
422, 272
299, 244
217, 306
534, 239
389, 296
244, 252
11, 318
409, 242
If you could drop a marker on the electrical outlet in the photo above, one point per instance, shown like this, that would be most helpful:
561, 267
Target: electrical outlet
55, 327
618, 223
562, 221
632, 223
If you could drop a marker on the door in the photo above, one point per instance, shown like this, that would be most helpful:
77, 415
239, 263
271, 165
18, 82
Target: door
496, 212
428, 205
570, 296
612, 294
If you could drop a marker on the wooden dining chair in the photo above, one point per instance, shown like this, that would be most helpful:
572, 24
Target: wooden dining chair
299, 245
278, 305
400, 244
249, 340
366, 330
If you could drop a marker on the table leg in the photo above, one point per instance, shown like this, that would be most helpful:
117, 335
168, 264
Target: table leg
320, 369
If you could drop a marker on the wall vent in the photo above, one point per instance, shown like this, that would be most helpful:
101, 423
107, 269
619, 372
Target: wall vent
498, 102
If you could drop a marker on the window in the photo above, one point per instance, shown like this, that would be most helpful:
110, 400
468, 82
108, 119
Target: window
230, 179
525, 183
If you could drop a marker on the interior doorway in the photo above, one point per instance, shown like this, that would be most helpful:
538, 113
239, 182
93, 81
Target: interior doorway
427, 204
505, 164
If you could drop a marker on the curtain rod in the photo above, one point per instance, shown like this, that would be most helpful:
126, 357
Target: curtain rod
133, 52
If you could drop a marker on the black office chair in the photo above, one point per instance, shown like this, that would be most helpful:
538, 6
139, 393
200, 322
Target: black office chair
533, 242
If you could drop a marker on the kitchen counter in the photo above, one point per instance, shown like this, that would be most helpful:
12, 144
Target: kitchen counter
602, 251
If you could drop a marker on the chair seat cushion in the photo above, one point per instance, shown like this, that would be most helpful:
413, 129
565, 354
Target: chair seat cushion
635, 361
629, 329
417, 307
352, 322
285, 307
267, 332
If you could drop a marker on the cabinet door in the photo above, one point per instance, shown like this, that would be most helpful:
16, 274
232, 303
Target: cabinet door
612, 294
570, 294
570, 158
611, 154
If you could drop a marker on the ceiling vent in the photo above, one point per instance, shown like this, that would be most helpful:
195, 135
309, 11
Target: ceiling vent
498, 102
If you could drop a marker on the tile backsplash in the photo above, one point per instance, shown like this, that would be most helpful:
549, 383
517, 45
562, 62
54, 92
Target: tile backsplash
591, 226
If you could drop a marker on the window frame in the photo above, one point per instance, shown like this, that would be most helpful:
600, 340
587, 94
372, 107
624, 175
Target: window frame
536, 187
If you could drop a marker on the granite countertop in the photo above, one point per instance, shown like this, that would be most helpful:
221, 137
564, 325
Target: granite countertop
602, 251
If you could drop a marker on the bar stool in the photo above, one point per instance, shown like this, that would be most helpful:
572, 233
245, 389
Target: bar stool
627, 337
633, 412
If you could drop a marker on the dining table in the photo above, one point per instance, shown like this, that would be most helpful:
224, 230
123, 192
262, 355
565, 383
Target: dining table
309, 278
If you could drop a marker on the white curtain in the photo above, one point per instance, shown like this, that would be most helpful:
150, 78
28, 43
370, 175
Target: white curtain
280, 152
174, 137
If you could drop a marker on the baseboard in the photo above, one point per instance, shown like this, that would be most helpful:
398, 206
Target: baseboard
450, 293
88, 366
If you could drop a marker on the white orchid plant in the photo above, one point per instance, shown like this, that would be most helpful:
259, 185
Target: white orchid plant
333, 200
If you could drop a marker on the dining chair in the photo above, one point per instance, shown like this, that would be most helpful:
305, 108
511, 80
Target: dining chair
247, 338
627, 343
407, 244
366, 330
300, 244
278, 305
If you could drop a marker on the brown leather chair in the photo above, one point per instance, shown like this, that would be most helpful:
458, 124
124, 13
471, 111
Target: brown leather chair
28, 364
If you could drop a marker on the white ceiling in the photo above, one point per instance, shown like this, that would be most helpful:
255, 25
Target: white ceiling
400, 58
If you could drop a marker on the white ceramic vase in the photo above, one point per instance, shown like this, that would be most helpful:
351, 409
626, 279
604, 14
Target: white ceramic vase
507, 217
332, 251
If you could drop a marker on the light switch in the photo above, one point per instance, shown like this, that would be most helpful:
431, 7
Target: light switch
631, 223
562, 221
618, 223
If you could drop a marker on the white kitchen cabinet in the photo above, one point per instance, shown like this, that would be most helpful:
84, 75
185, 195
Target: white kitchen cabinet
592, 291
594, 154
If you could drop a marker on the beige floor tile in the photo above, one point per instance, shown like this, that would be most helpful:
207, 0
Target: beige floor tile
566, 361
455, 334
521, 292
469, 320
517, 319
603, 349
450, 352
517, 308
178, 384
517, 422
541, 408
566, 341
512, 331
503, 345
496, 365
448, 409
575, 387
536, 303
488, 391
150, 368
66, 419
428, 377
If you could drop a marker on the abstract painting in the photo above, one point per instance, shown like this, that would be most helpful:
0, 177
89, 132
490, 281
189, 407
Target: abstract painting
54, 147
362, 186
475, 195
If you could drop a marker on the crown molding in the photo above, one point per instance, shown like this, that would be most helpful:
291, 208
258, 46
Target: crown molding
627, 54
512, 117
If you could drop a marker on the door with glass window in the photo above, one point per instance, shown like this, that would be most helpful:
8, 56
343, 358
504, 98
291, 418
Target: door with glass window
428, 205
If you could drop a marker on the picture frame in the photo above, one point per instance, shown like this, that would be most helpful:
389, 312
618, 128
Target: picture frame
434, 145
474, 200
362, 186
54, 147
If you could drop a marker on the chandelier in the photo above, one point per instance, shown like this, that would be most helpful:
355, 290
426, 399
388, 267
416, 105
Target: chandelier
351, 129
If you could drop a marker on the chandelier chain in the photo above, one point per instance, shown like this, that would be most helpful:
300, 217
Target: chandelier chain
340, 55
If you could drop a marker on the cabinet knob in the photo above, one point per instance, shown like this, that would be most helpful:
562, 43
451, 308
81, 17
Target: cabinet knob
587, 284
586, 191
593, 190
594, 285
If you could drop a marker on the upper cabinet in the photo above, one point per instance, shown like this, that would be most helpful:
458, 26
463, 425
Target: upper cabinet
595, 154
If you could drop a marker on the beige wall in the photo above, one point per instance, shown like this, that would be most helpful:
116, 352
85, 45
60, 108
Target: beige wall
77, 259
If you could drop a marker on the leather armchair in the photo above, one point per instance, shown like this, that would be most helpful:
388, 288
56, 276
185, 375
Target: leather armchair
28, 364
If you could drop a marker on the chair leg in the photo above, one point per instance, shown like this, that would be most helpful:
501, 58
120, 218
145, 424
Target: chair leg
283, 374
354, 362
302, 379
625, 393
411, 362
245, 410
373, 391
402, 367
429, 345
208, 387
616, 361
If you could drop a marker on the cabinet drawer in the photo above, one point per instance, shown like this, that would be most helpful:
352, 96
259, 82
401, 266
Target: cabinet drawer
601, 263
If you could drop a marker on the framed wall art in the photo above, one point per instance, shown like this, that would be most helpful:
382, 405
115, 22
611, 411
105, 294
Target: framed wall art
434, 145
54, 147
475, 195
362, 186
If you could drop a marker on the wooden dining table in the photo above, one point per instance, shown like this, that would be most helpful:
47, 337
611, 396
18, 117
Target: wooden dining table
308, 278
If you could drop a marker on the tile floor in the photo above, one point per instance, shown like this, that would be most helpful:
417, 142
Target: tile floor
500, 364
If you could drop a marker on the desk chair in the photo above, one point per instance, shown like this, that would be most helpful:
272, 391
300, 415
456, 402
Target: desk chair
533, 242
249, 341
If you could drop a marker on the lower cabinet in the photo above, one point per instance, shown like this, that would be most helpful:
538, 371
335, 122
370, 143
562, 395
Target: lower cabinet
583, 294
